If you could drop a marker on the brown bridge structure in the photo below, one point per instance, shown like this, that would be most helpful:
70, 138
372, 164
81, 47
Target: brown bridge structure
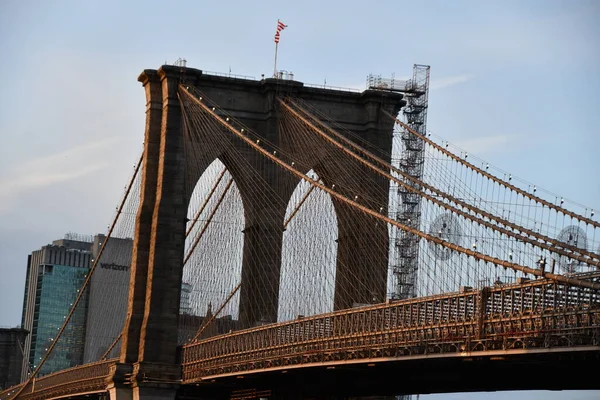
455, 327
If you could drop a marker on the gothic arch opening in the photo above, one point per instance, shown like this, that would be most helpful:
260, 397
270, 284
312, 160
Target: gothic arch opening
213, 253
309, 254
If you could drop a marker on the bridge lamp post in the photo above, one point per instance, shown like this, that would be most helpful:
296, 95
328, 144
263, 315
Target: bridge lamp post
542, 264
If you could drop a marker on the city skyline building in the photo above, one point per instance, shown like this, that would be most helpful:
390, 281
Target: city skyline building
12, 342
185, 307
108, 295
55, 274
190, 325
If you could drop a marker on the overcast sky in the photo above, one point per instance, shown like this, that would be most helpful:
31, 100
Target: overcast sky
515, 82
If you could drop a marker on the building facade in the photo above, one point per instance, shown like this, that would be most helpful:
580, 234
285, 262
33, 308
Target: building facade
190, 325
55, 274
108, 294
185, 305
12, 344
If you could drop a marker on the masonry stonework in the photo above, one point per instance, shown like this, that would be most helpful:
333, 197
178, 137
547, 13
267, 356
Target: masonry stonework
150, 334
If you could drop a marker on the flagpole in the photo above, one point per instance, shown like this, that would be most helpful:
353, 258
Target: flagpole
275, 66
276, 48
280, 26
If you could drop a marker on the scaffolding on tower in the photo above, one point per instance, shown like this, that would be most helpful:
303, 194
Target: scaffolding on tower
408, 156
411, 163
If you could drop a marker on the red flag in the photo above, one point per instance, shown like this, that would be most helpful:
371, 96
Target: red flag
280, 26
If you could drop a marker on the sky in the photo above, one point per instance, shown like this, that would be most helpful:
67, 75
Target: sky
516, 83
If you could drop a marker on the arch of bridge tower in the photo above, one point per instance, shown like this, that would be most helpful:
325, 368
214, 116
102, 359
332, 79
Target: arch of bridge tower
309, 255
361, 272
215, 258
362, 115
263, 228
150, 334
231, 163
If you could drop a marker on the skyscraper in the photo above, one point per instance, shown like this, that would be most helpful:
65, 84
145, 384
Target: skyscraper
108, 293
11, 355
55, 274
108, 296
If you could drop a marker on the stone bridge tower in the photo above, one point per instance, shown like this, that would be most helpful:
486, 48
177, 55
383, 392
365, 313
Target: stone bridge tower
148, 365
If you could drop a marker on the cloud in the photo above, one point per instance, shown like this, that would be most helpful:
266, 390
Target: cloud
56, 168
442, 83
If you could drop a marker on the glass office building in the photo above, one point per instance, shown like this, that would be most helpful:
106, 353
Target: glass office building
57, 289
55, 273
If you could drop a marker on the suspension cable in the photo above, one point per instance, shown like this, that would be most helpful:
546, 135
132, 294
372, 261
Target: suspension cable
204, 204
87, 279
208, 220
428, 237
588, 260
492, 177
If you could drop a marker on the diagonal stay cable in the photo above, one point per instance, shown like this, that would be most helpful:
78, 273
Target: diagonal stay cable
237, 287
205, 203
214, 316
208, 221
298, 206
494, 178
87, 279
423, 235
470, 166
112, 346
556, 246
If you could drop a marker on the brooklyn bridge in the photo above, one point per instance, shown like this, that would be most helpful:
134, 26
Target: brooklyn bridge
295, 241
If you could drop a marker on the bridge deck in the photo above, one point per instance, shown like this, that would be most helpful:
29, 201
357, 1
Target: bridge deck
533, 317
535, 314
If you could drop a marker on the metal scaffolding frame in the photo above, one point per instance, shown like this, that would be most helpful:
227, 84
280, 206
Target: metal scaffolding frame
405, 254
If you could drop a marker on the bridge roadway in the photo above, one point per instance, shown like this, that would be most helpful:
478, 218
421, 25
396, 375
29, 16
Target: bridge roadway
535, 334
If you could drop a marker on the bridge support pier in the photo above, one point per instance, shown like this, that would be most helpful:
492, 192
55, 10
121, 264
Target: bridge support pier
149, 366
143, 381
150, 333
259, 294
141, 393
357, 260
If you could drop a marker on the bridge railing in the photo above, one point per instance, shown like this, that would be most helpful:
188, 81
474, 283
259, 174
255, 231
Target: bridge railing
338, 88
229, 75
77, 380
348, 329
541, 311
